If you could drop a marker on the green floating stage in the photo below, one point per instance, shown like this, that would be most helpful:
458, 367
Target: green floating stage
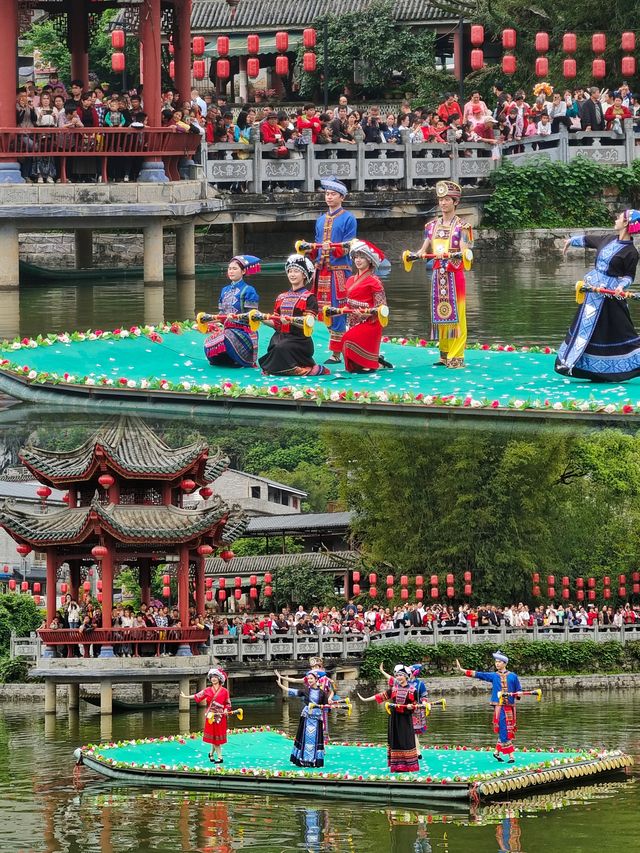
259, 758
164, 369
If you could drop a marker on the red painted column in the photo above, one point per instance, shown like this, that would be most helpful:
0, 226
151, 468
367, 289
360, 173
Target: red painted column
78, 30
52, 578
74, 579
200, 598
9, 76
182, 46
183, 585
106, 570
145, 580
150, 37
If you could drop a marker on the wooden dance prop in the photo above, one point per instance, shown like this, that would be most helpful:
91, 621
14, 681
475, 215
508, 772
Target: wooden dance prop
236, 712
409, 258
381, 312
339, 703
303, 247
254, 318
502, 694
582, 288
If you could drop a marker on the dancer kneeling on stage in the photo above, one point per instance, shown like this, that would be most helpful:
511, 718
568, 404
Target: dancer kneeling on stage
233, 343
308, 745
360, 344
505, 689
290, 350
602, 343
400, 701
218, 706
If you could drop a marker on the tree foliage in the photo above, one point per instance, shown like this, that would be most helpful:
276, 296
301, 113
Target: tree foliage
17, 613
296, 585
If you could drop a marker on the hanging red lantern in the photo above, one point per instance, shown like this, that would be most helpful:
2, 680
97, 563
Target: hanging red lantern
606, 592
467, 577
172, 69
253, 67
309, 37
373, 578
99, 584
419, 594
565, 581
117, 39
580, 583
551, 592
566, 593
12, 584
166, 591
223, 69
598, 42
86, 586
536, 577
536, 591
592, 595
580, 595
356, 577
43, 492
199, 69
237, 594
569, 68
509, 64
24, 586
282, 66
569, 43
36, 600
253, 44
404, 593
434, 592
282, 42
542, 42
208, 582
477, 35
635, 577
90, 573
628, 66
63, 588
606, 580
66, 498
36, 587
622, 579
636, 588
222, 595
389, 580
373, 591
591, 583
222, 45
253, 580
209, 595
106, 481
622, 591
542, 66
356, 589
253, 592
237, 581
198, 45
477, 59
309, 62
450, 592
268, 591
172, 49
99, 551
390, 593
404, 580
419, 580
450, 579
509, 39
166, 580
187, 485
598, 69
434, 580
205, 550
222, 583
628, 42
23, 550
267, 577
118, 62
205, 492
227, 555
467, 589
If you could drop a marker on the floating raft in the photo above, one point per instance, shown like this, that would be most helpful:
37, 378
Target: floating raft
121, 706
259, 757
35, 274
163, 370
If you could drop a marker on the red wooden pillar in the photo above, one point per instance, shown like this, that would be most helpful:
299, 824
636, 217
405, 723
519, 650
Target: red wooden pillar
150, 38
74, 579
183, 585
78, 35
182, 46
52, 580
200, 598
145, 580
9, 76
106, 569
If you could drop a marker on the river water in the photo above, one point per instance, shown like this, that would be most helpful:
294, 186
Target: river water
49, 806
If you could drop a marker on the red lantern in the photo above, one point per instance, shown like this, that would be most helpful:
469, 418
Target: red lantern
222, 45
237, 594
187, 485
90, 573
434, 580
508, 64
63, 588
565, 581
23, 550
309, 37
580, 595
282, 66
536, 577
477, 59
208, 582
309, 62
268, 592
99, 584
622, 591
282, 42
117, 39
450, 592
565, 593
172, 49
450, 579
636, 577
628, 42
166, 580
580, 583
542, 66
356, 577
636, 588
536, 591
508, 39
373, 591
24, 586
598, 69
253, 44
404, 580
419, 594
389, 580
419, 580
253, 592
253, 580
592, 595
86, 586
404, 593
373, 578
253, 67
606, 592
198, 45
390, 593
43, 492
205, 492
628, 66
467, 589
467, 577
117, 62
209, 595
204, 550
222, 583
223, 69
551, 592
569, 68
434, 592
36, 600
569, 43
99, 551
267, 577
199, 69
591, 583
36, 587
477, 34
237, 582
66, 498
598, 42
222, 595
606, 580
356, 589
172, 69
227, 556
106, 480
166, 591
542, 42
12, 584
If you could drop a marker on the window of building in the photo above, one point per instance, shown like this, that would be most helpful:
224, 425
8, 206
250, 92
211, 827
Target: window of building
255, 492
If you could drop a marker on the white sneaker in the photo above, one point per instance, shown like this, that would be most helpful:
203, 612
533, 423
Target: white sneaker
40, 180
126, 179
50, 180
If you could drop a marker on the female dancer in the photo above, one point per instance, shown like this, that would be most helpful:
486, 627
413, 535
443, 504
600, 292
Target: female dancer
324, 682
419, 716
308, 745
218, 706
290, 351
402, 755
602, 343
233, 344
360, 344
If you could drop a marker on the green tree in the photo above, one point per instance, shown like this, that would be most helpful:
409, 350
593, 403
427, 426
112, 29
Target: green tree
295, 585
17, 613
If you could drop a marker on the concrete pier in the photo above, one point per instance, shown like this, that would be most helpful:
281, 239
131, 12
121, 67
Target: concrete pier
147, 691
106, 697
186, 250
83, 239
49, 696
183, 704
237, 238
153, 254
73, 696
9, 257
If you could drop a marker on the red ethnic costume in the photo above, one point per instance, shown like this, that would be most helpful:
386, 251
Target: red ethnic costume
290, 350
360, 343
452, 241
215, 721
402, 755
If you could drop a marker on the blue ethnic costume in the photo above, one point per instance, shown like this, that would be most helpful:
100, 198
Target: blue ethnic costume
504, 709
232, 343
333, 267
308, 745
602, 343
419, 717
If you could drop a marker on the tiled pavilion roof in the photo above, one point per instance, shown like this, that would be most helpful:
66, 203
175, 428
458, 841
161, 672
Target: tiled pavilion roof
130, 448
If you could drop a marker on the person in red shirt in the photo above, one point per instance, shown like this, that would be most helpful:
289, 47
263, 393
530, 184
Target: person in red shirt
616, 110
450, 107
309, 122
270, 132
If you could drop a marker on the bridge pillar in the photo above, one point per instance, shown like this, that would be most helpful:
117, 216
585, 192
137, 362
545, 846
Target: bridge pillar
186, 250
237, 238
154, 304
49, 696
153, 254
186, 293
73, 696
147, 691
9, 256
106, 697
183, 704
83, 239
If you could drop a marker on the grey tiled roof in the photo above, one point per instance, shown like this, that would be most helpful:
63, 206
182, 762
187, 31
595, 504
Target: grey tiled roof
299, 521
244, 566
214, 15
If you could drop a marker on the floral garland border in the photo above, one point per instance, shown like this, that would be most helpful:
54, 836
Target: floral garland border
317, 395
